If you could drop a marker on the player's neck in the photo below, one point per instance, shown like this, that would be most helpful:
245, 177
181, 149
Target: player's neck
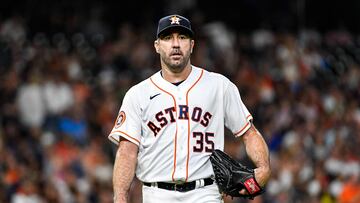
174, 77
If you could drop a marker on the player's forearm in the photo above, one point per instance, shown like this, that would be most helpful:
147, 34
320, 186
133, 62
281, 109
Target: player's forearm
257, 150
124, 170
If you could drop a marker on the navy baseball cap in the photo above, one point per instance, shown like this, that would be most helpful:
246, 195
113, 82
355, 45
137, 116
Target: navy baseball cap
174, 21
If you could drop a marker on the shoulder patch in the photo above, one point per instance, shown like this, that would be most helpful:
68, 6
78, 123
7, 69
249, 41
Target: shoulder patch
120, 119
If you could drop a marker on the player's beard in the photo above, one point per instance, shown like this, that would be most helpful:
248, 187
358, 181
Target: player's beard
178, 65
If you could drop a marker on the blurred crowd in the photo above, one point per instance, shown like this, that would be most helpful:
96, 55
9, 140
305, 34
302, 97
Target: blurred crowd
60, 93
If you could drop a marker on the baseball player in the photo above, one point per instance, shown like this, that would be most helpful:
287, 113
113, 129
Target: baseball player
169, 124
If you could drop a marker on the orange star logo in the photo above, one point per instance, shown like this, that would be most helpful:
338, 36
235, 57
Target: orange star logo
175, 20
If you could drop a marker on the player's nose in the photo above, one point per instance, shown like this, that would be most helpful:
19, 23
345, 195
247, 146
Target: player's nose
175, 43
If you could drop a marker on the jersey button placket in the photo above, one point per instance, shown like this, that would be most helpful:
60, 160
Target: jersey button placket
179, 93
182, 132
181, 139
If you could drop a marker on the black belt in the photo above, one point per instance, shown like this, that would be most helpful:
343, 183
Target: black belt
183, 187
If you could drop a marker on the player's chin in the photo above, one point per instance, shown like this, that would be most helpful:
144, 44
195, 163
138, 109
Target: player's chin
177, 62
177, 67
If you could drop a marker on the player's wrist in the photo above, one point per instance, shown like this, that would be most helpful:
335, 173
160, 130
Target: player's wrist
262, 175
121, 197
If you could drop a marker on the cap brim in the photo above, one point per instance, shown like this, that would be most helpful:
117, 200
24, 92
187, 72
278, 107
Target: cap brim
175, 27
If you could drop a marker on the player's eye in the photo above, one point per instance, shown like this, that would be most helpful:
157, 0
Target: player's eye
166, 37
183, 36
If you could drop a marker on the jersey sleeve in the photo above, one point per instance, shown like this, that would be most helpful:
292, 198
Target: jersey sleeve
237, 117
128, 122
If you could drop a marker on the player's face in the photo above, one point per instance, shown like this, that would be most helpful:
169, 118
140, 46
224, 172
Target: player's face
175, 49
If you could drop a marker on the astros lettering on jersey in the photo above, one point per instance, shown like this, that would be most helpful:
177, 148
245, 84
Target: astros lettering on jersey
177, 127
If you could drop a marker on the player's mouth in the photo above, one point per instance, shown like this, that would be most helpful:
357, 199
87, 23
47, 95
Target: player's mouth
176, 54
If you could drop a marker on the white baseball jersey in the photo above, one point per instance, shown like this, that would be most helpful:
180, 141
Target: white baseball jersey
177, 127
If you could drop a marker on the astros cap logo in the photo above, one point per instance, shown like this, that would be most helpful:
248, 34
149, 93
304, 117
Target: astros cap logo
175, 20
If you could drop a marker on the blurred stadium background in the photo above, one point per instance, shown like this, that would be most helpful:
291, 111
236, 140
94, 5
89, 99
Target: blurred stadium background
65, 66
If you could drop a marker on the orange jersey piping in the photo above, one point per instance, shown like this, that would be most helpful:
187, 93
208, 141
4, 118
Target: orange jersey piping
175, 143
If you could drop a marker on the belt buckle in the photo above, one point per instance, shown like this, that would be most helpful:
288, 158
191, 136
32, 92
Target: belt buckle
178, 184
179, 187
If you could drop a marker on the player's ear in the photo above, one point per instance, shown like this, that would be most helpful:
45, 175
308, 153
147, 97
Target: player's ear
192, 46
156, 45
